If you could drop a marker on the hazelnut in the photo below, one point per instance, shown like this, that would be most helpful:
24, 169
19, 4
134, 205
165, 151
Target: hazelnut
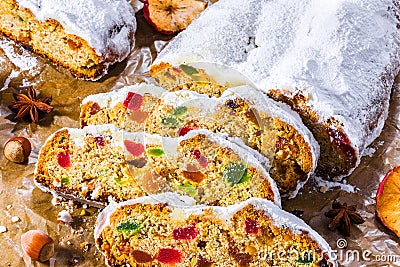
17, 149
37, 245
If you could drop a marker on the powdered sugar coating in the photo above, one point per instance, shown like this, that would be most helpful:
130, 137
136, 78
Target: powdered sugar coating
185, 207
342, 55
107, 25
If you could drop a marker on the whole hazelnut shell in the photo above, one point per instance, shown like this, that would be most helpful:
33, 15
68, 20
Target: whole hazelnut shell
17, 149
37, 245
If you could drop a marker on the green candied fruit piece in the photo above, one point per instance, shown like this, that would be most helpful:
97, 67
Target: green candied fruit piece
65, 180
129, 227
234, 173
305, 258
189, 189
178, 111
119, 180
170, 121
155, 152
189, 70
246, 177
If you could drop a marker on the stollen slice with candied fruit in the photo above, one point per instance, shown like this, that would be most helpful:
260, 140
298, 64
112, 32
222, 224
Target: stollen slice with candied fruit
387, 200
172, 16
169, 230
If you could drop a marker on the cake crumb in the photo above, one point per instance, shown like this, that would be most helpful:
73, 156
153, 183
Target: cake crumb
15, 219
3, 229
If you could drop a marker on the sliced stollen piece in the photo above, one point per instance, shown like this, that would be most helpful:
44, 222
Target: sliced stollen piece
209, 168
334, 63
269, 127
84, 36
127, 108
102, 162
88, 165
168, 229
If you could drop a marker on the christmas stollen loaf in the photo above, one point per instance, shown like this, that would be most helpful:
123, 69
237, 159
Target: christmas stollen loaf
167, 229
84, 36
332, 62
101, 162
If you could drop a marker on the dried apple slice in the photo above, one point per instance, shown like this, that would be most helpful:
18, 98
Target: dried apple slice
172, 16
388, 200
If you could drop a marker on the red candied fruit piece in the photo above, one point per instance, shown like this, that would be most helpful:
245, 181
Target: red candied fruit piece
141, 256
251, 226
177, 70
184, 130
169, 256
196, 153
63, 159
94, 108
200, 158
136, 149
100, 141
342, 141
133, 101
185, 233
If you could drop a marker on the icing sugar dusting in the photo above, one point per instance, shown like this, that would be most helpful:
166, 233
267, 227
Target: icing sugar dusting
107, 25
369, 151
325, 185
21, 59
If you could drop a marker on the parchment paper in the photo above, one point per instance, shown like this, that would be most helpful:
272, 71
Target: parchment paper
371, 242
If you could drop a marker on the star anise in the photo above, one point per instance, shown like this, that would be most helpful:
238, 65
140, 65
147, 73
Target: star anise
28, 105
343, 216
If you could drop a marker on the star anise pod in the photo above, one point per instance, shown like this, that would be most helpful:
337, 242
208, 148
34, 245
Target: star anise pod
343, 216
28, 105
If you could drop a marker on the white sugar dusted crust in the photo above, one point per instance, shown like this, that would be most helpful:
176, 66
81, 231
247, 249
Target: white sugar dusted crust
140, 232
115, 107
334, 63
99, 163
263, 124
84, 36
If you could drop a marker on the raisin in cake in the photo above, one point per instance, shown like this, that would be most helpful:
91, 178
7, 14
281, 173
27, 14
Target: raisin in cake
270, 127
84, 36
167, 229
102, 162
127, 108
332, 62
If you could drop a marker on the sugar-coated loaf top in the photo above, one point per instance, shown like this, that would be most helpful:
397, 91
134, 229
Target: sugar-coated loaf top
341, 54
107, 25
